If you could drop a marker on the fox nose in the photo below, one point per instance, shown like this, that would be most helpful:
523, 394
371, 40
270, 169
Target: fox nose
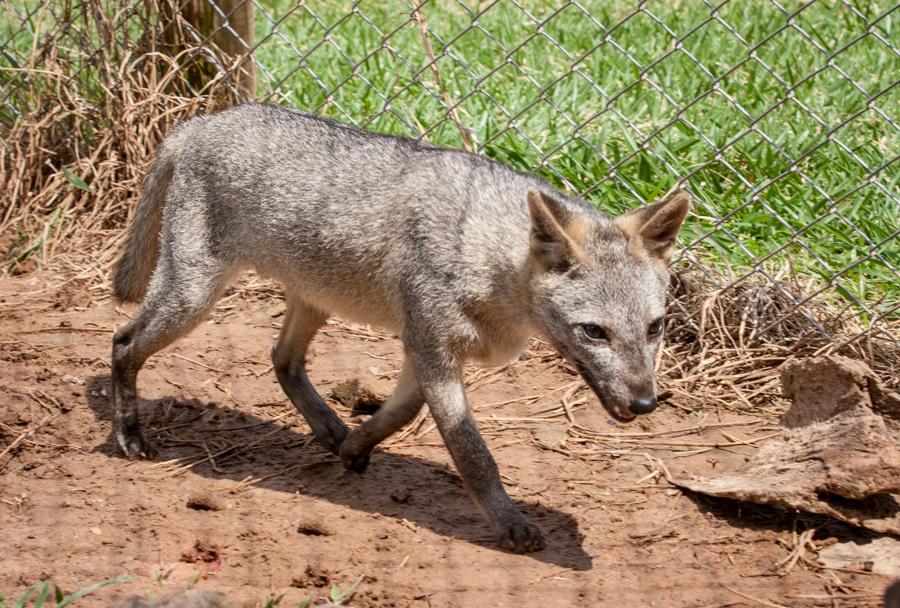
643, 405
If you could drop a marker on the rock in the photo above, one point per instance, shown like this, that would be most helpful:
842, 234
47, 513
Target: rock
360, 399
881, 556
401, 495
310, 525
821, 388
202, 499
840, 453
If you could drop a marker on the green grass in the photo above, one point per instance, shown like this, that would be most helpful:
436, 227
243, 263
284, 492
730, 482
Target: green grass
560, 92
569, 108
47, 595
336, 596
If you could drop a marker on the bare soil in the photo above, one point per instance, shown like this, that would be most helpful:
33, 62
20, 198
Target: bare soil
241, 500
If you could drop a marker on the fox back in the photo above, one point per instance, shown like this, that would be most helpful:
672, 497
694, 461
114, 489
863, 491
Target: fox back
341, 215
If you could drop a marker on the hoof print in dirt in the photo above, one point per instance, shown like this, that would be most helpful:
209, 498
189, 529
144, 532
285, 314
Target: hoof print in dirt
312, 576
209, 556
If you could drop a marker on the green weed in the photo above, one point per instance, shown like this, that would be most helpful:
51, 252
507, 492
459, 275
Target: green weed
49, 595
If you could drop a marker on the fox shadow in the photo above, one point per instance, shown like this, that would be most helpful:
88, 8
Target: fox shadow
402, 487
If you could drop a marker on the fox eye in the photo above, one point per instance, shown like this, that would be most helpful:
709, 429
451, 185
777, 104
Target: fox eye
655, 327
594, 332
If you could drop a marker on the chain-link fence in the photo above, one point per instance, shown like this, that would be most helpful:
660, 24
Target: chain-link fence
781, 118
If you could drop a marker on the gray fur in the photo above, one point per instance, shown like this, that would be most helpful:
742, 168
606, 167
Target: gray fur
142, 250
190, 598
463, 257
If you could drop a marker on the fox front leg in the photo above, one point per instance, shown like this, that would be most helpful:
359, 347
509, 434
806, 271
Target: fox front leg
441, 383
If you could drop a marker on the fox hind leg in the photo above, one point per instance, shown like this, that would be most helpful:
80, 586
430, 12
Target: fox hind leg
301, 321
180, 295
399, 409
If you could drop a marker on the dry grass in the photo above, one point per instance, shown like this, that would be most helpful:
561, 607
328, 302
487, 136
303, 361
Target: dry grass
72, 161
727, 346
70, 166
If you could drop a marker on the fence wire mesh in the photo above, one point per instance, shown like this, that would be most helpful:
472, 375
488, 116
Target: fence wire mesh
781, 118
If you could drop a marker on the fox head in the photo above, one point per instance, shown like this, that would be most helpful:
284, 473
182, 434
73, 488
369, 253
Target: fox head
599, 292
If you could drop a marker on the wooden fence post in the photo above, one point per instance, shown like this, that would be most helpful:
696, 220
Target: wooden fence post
236, 41
228, 25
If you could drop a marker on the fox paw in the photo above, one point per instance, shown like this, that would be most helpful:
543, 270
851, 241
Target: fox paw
353, 457
135, 445
331, 435
520, 537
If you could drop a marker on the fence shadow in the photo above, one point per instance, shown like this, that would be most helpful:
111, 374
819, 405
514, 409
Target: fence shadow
394, 485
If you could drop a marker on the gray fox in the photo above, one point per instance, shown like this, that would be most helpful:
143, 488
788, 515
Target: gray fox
462, 257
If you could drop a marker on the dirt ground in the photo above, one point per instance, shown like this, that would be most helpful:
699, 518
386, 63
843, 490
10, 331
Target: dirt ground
241, 500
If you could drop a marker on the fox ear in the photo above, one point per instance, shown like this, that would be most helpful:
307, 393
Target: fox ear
655, 227
557, 234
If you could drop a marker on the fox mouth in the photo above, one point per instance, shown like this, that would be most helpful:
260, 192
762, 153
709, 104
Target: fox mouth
620, 414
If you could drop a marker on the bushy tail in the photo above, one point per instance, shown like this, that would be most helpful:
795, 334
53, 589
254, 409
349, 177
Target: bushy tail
132, 274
